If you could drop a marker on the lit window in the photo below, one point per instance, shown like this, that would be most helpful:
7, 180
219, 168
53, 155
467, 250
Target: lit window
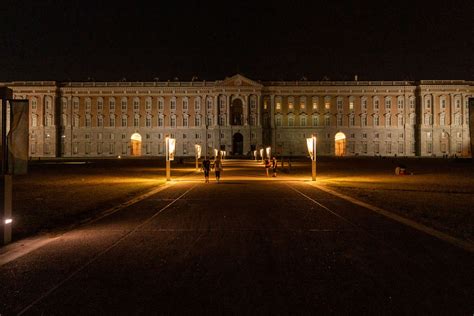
291, 103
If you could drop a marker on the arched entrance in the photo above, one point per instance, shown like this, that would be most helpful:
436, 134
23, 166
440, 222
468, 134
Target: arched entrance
236, 112
444, 143
340, 144
237, 144
136, 145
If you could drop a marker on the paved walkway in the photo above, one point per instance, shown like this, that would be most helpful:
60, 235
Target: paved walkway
241, 246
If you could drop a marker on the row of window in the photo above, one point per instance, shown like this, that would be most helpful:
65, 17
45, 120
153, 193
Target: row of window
428, 102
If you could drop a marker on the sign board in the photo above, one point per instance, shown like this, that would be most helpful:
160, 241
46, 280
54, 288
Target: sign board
18, 137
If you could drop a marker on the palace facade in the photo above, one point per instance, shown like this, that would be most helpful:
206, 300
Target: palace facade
239, 115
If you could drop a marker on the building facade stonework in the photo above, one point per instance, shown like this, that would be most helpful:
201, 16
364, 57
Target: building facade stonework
239, 115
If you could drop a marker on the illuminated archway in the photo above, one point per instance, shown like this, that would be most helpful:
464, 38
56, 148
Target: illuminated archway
340, 144
136, 145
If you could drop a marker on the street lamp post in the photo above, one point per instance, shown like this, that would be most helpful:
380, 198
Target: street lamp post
197, 151
170, 148
311, 143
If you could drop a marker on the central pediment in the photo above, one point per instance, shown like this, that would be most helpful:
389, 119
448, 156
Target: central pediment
238, 81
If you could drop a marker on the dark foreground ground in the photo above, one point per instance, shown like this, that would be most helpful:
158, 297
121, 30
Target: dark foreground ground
248, 245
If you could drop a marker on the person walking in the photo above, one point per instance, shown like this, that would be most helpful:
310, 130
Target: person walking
218, 168
267, 166
206, 167
274, 167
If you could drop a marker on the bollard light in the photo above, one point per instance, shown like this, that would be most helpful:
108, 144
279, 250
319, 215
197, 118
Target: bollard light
311, 143
255, 154
269, 151
261, 153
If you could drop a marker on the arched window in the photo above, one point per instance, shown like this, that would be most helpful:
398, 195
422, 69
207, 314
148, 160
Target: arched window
88, 121
376, 120
34, 103
278, 120
34, 120
303, 104
75, 104
388, 120
291, 120
197, 104
185, 104
327, 103
315, 120
327, 120
339, 120
428, 102
442, 103
376, 103
363, 104
48, 103
291, 103
148, 121
112, 121
339, 103
363, 120
209, 103
88, 103
185, 120
136, 104
100, 121
100, 104
303, 120
428, 119
253, 102
278, 103
197, 120
173, 120
352, 120
412, 119
222, 103
148, 104
161, 104
442, 119
76, 121
315, 102
136, 120
412, 102
173, 104
400, 121
124, 104
388, 103
124, 121
161, 121
351, 104
112, 104
400, 103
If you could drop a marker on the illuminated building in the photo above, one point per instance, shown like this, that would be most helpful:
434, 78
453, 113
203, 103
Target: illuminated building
239, 115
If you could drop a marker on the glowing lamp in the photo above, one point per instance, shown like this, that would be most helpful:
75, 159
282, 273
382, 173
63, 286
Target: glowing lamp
8, 221
268, 150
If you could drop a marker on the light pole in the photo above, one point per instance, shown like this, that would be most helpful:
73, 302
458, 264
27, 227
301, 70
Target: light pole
311, 143
197, 151
170, 144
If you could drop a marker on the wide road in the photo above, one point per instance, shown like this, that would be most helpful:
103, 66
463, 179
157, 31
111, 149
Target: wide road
248, 245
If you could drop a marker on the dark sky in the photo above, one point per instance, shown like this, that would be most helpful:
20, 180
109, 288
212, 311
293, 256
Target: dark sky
274, 40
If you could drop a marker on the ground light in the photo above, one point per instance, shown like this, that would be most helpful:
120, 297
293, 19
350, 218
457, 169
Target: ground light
261, 153
255, 155
197, 151
311, 143
269, 151
170, 148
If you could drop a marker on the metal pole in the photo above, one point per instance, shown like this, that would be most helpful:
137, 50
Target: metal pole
168, 170
168, 163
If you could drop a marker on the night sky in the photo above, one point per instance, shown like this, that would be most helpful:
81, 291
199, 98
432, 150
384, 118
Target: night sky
275, 40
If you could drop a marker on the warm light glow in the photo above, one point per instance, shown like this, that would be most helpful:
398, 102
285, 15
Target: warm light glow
170, 148
198, 151
215, 152
261, 153
340, 136
268, 149
311, 143
8, 221
136, 137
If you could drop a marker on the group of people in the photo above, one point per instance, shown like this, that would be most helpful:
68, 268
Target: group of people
217, 166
